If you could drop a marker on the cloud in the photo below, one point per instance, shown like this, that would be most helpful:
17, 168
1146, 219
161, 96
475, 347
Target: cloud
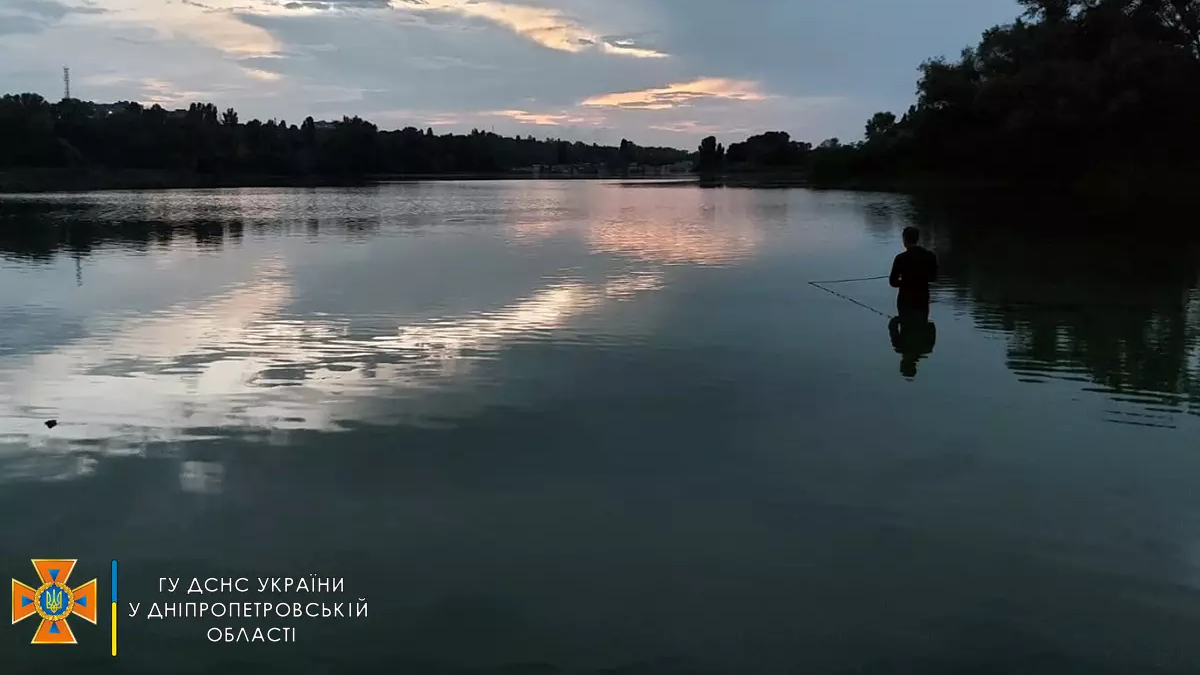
543, 119
214, 24
679, 95
687, 127
28, 17
628, 45
326, 5
546, 26
436, 120
548, 119
50, 9
445, 63
106, 78
200, 5
264, 75
631, 50
167, 94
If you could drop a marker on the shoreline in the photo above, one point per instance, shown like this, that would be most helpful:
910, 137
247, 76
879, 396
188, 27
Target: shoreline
1124, 185
43, 181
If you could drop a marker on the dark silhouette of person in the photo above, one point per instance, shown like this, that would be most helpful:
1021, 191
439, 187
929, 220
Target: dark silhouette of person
913, 337
912, 273
913, 334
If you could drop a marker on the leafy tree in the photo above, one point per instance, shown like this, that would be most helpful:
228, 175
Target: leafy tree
773, 149
882, 125
1071, 88
711, 155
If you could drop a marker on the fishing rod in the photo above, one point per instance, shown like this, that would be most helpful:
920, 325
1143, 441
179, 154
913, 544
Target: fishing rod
846, 281
821, 285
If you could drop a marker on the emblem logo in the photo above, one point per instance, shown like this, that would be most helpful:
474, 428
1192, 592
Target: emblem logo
53, 600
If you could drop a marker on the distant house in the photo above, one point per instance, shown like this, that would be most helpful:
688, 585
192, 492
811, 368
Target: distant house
106, 109
659, 170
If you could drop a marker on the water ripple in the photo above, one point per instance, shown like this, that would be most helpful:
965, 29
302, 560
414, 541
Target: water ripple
238, 361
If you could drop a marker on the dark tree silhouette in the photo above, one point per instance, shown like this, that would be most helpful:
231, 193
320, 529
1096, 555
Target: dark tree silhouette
882, 125
710, 155
1072, 88
36, 134
1071, 92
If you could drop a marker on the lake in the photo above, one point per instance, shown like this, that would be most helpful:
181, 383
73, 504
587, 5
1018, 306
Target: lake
594, 427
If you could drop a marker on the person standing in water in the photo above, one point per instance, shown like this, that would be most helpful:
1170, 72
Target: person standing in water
913, 334
912, 273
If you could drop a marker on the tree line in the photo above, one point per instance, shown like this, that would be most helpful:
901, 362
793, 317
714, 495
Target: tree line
35, 133
1070, 88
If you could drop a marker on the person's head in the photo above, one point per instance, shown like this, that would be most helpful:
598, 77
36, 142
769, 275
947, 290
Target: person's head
912, 236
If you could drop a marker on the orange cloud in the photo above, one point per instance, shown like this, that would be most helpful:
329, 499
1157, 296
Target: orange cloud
217, 22
630, 50
546, 26
264, 75
532, 118
162, 92
681, 94
687, 126
212, 23
547, 119
445, 120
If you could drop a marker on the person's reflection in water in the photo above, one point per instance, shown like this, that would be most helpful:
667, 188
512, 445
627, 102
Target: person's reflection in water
913, 338
913, 334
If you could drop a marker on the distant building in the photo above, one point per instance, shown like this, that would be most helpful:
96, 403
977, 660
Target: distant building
106, 109
659, 170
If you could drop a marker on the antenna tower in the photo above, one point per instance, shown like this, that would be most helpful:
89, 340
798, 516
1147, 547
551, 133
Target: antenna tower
66, 83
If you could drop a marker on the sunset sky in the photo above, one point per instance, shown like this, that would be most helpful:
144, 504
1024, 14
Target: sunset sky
654, 71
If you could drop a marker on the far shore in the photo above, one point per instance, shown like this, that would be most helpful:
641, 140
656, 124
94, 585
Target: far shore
1118, 185
93, 180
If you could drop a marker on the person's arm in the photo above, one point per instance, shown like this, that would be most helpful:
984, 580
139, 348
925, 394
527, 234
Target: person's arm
894, 279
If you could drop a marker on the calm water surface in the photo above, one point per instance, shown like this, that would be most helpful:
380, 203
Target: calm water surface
586, 427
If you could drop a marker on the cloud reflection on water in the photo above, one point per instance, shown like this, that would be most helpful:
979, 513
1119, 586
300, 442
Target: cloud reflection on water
701, 227
228, 362
248, 361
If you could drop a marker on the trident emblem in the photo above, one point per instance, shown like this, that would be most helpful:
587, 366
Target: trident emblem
54, 601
